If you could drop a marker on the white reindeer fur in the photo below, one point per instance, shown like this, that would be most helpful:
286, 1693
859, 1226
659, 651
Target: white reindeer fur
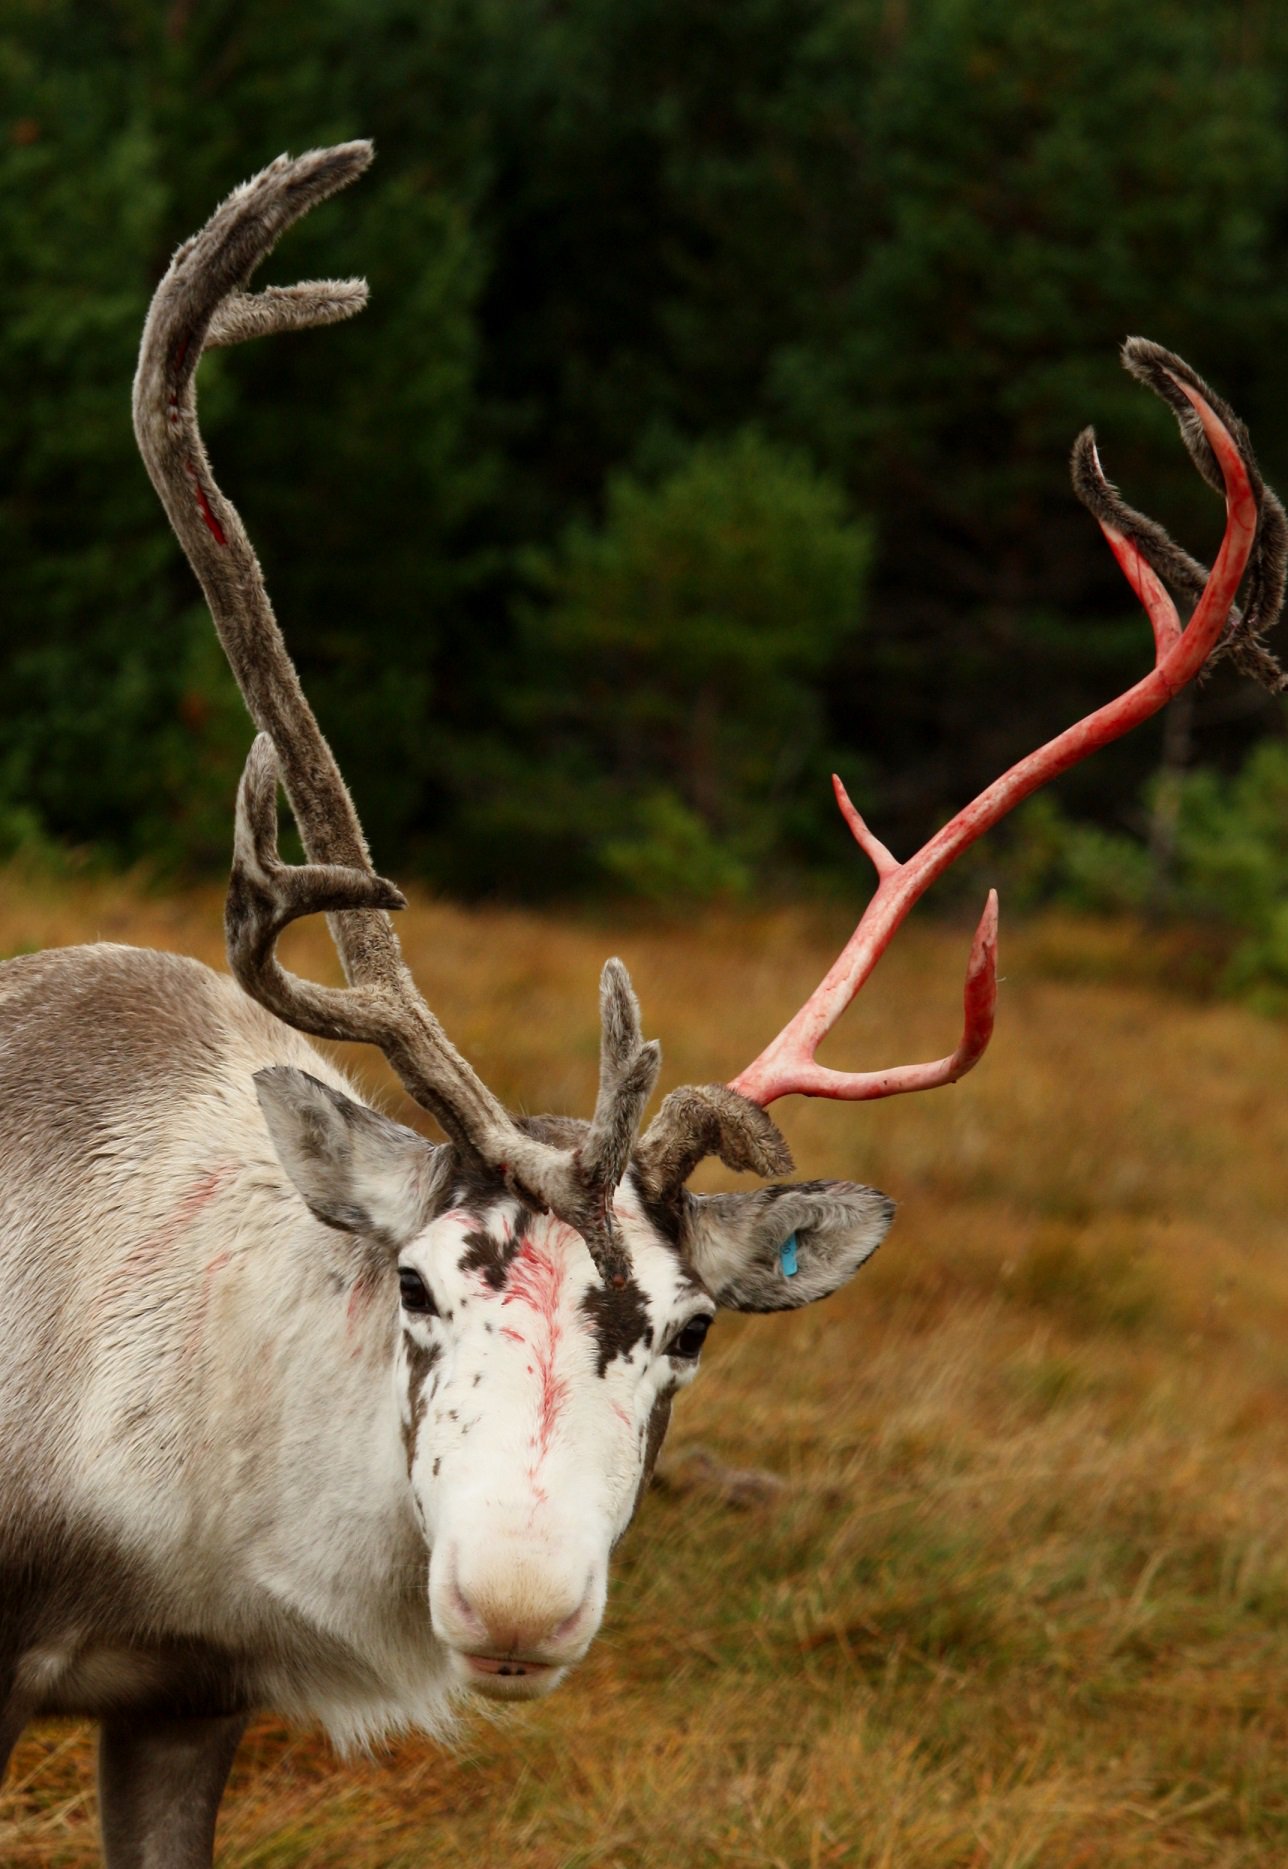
208, 1411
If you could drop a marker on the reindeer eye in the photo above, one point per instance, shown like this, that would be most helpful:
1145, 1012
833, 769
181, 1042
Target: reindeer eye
415, 1293
689, 1341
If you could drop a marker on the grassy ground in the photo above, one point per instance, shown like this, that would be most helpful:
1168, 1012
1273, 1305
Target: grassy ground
1025, 1599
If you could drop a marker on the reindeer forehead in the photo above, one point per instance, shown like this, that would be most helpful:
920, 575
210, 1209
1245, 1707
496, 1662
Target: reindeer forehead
503, 1251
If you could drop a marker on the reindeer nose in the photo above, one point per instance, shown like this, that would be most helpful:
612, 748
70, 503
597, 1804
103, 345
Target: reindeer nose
517, 1604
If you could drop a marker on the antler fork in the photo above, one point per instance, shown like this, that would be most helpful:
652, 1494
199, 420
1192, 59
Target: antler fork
1253, 541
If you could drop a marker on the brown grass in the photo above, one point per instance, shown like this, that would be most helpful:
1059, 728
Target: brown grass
1025, 1602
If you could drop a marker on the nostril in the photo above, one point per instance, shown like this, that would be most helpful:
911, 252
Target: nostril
570, 1624
460, 1608
466, 1612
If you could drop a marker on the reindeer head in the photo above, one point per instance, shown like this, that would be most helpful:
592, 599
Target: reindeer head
548, 1284
534, 1392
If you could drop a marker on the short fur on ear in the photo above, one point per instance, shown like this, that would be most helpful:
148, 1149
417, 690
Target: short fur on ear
355, 1169
781, 1247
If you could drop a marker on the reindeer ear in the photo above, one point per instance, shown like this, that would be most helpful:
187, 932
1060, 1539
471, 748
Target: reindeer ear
355, 1169
781, 1247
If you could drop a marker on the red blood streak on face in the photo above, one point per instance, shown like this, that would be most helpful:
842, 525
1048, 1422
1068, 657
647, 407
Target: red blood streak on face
535, 1280
515, 1336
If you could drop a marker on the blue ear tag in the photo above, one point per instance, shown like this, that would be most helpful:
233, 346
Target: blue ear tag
787, 1257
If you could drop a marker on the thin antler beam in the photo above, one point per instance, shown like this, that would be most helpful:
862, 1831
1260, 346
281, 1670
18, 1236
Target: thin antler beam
788, 1065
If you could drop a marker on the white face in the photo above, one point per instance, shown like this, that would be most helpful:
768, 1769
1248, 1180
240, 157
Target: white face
534, 1401
534, 1396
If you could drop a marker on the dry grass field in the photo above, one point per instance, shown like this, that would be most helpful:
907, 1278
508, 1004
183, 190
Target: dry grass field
1024, 1599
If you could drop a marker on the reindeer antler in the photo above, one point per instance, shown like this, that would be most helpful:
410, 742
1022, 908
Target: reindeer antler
202, 302
788, 1064
1256, 540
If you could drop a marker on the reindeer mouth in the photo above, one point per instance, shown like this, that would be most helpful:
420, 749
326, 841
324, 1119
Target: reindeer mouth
508, 1665
509, 1677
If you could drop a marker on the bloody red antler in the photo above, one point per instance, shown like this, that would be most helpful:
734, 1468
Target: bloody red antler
787, 1065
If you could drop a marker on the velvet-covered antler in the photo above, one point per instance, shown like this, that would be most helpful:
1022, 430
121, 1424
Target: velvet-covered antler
203, 301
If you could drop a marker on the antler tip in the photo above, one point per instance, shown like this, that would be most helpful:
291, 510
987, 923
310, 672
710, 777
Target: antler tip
613, 975
340, 163
882, 860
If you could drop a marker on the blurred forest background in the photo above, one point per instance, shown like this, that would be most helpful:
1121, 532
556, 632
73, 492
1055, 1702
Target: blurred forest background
708, 429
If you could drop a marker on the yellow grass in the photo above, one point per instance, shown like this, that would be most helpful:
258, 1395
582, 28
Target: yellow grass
1025, 1599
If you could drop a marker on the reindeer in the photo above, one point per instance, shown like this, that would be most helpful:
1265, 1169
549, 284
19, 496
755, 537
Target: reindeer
301, 1410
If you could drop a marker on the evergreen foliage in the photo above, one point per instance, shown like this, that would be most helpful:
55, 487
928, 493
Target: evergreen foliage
675, 654
1228, 865
708, 424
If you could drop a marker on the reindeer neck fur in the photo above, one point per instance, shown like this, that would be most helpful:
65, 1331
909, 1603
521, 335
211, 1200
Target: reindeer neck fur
208, 1340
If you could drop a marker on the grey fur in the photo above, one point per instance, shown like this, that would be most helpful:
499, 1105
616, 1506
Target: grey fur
346, 1159
120, 1072
159, 1786
734, 1241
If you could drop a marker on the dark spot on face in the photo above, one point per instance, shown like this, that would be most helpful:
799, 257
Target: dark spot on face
492, 1257
664, 1208
658, 1423
619, 1318
421, 1358
478, 1377
438, 1461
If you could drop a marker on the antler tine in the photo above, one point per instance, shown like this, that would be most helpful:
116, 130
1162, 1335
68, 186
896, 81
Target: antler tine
698, 1120
1157, 551
265, 895
628, 1071
202, 302
1218, 444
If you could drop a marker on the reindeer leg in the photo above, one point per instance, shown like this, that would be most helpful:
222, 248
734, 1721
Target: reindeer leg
14, 1715
159, 1786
